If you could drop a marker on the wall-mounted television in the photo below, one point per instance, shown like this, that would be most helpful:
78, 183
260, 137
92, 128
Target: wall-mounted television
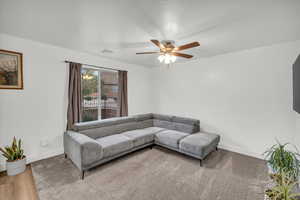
296, 85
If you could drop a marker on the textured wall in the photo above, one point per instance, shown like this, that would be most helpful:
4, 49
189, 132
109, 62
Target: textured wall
244, 96
37, 114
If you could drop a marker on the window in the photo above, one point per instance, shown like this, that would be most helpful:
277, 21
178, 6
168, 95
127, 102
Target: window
99, 93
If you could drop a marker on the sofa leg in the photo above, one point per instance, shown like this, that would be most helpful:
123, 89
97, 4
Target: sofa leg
66, 156
217, 149
82, 174
200, 163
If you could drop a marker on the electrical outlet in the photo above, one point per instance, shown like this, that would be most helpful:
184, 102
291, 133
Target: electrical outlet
44, 143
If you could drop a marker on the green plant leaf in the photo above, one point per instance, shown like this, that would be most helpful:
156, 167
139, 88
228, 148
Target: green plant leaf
13, 152
282, 160
295, 195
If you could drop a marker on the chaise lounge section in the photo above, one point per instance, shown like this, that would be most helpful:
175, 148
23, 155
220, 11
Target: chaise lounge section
90, 144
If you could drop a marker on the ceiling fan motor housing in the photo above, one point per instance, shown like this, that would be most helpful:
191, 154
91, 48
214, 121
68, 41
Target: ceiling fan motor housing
168, 48
168, 43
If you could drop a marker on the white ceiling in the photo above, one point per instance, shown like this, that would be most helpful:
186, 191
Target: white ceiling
126, 26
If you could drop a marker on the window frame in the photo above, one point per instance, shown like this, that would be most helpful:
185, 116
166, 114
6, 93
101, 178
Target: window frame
99, 87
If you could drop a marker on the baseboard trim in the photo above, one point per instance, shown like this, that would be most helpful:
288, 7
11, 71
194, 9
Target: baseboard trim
45, 156
241, 151
31, 159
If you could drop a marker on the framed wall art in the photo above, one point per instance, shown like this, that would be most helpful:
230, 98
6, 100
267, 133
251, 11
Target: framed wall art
11, 70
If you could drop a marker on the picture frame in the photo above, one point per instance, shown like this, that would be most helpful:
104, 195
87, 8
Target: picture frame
11, 70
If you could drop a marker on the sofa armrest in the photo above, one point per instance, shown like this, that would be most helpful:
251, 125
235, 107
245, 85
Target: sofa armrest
81, 149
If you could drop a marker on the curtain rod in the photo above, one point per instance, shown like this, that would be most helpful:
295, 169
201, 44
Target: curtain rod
108, 68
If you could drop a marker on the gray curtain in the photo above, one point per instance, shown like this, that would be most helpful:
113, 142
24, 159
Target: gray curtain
74, 95
122, 97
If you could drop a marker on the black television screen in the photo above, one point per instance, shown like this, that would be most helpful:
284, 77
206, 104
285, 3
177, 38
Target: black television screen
296, 85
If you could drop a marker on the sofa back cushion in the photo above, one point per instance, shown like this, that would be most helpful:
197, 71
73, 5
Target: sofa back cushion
144, 120
106, 127
181, 124
143, 117
110, 130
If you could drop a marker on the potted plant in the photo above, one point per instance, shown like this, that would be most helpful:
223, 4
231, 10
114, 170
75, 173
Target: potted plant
284, 188
280, 160
15, 158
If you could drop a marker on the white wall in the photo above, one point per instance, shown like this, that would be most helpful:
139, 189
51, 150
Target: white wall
246, 96
38, 113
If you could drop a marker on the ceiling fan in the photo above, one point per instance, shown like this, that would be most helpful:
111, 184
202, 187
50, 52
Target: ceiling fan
168, 52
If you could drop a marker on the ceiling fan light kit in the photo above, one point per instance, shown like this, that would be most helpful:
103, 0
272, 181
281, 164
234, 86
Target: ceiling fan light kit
167, 58
168, 52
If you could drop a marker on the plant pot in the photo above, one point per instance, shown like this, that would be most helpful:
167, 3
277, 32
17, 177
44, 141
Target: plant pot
15, 167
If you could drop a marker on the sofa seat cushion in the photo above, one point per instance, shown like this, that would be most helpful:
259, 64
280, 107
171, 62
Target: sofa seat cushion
170, 138
199, 144
114, 144
142, 136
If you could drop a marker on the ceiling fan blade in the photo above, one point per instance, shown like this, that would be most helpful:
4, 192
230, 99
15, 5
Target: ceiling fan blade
147, 52
157, 43
182, 55
187, 46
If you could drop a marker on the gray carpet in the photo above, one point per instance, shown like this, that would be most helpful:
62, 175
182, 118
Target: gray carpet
156, 174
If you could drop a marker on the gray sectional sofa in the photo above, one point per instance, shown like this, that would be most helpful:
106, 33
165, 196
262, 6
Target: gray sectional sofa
92, 143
